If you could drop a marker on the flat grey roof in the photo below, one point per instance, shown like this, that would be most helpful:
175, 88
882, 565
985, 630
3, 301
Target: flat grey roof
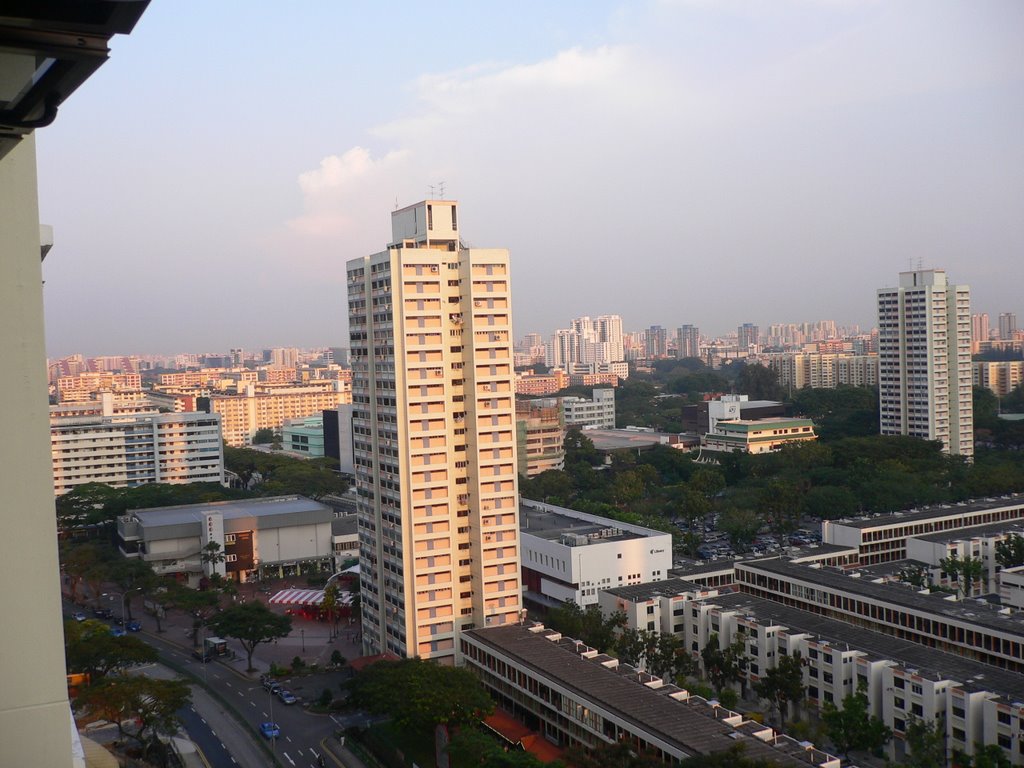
937, 510
653, 589
968, 612
961, 534
973, 675
610, 439
550, 525
691, 729
345, 525
707, 566
273, 512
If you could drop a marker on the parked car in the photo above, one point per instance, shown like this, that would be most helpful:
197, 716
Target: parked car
270, 730
286, 696
134, 626
102, 613
78, 616
116, 631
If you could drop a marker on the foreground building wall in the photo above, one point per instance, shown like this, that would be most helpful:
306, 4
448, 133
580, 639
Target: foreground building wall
34, 711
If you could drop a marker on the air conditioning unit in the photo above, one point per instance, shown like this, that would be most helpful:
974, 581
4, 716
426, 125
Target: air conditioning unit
434, 269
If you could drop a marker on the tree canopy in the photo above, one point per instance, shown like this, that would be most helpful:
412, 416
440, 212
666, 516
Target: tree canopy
420, 694
251, 623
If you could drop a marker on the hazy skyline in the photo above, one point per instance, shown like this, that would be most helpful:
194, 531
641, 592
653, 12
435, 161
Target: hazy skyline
670, 162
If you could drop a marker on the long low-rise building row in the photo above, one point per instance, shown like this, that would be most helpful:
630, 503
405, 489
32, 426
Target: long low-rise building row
576, 696
883, 538
974, 702
974, 629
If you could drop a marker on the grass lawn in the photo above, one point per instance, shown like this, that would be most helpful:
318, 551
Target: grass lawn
417, 748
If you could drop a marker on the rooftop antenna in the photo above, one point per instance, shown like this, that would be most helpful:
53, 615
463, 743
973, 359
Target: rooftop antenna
440, 185
433, 193
396, 202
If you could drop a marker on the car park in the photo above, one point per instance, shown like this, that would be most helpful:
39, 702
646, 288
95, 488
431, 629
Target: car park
270, 730
286, 696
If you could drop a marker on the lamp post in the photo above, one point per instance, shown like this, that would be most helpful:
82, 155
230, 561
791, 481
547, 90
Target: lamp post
302, 632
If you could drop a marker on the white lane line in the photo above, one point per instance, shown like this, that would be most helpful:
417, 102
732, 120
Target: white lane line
204, 722
289, 739
252, 704
233, 760
226, 683
241, 694
213, 732
266, 715
288, 758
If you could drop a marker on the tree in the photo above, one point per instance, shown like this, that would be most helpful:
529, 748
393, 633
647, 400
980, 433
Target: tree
723, 666
915, 575
741, 526
985, 756
631, 646
783, 685
251, 623
90, 647
973, 570
589, 626
263, 436
926, 744
430, 694
1010, 551
853, 727
211, 554
88, 562
153, 703
759, 382
470, 746
952, 566
199, 604
829, 502
616, 754
330, 604
781, 503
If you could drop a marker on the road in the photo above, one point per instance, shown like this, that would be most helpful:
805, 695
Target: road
225, 741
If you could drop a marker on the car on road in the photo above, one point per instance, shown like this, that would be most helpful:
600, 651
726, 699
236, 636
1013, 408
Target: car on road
286, 696
78, 616
201, 654
117, 632
134, 626
271, 685
102, 613
270, 730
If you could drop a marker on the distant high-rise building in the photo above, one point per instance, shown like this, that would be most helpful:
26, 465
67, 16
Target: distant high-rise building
688, 342
747, 336
434, 436
237, 356
657, 342
609, 332
1007, 325
924, 351
979, 331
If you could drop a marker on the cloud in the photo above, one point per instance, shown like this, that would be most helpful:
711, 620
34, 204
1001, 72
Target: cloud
332, 191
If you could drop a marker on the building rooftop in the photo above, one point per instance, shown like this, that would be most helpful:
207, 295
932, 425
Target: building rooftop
232, 510
972, 612
346, 525
552, 525
979, 531
704, 567
935, 664
612, 439
693, 728
654, 589
927, 513
771, 421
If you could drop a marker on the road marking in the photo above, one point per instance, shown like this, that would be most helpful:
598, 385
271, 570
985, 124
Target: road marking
252, 704
266, 715
242, 695
226, 683
204, 722
289, 739
233, 760
288, 758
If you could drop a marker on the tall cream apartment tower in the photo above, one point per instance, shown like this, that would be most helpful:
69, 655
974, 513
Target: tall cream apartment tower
434, 436
924, 360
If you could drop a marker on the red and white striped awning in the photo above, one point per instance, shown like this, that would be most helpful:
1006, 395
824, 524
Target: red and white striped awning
307, 597
298, 597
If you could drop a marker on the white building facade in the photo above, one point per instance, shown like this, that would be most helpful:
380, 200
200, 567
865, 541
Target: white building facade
924, 351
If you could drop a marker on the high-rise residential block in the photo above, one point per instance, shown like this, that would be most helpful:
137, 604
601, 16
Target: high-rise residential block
924, 360
747, 335
434, 436
657, 342
979, 331
1007, 325
688, 341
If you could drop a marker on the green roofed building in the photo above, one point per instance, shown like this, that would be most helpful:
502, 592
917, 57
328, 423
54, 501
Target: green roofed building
758, 436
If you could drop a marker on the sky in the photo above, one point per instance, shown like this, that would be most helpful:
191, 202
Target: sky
710, 162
